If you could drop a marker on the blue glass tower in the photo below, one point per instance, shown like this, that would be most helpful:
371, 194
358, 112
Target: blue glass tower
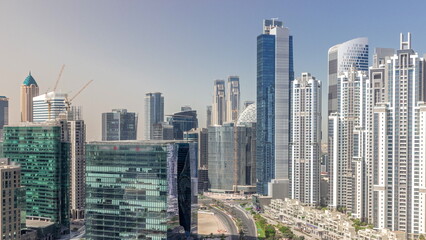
274, 74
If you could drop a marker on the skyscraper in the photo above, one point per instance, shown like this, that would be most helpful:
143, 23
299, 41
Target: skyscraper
4, 114
209, 116
43, 156
341, 57
219, 103
306, 139
200, 135
141, 190
10, 212
233, 99
399, 145
29, 90
274, 73
47, 107
119, 125
154, 112
182, 121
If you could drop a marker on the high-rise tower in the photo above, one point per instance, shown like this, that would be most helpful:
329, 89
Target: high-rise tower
29, 90
233, 99
219, 103
119, 125
47, 107
274, 73
4, 114
154, 112
306, 139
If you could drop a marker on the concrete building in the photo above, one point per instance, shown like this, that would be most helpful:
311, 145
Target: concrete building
47, 107
162, 131
119, 125
306, 139
399, 181
43, 156
29, 90
10, 212
233, 99
4, 114
154, 112
219, 103
274, 73
200, 136
141, 190
342, 57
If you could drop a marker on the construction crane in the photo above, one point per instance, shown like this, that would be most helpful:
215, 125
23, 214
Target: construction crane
69, 101
59, 77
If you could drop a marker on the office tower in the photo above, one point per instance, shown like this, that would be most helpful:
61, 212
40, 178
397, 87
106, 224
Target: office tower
29, 90
182, 121
274, 73
154, 112
47, 107
231, 155
44, 160
341, 57
399, 143
233, 99
4, 114
343, 145
119, 125
200, 136
162, 131
10, 212
219, 103
77, 139
306, 139
141, 190
209, 116
247, 103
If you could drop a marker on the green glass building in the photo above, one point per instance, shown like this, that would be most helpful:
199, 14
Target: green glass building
43, 157
141, 190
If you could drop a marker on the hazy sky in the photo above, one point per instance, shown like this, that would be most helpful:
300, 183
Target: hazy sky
177, 47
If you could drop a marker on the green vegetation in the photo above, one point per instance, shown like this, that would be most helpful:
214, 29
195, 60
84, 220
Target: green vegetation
269, 231
359, 225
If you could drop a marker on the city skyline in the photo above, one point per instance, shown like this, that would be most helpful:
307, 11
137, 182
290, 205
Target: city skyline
112, 48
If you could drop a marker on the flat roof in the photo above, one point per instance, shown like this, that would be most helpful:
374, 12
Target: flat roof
38, 223
138, 142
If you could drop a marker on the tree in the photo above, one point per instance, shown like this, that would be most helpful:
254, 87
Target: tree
269, 231
287, 233
422, 237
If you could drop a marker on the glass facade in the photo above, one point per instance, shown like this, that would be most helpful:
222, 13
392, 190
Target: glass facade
183, 121
119, 125
43, 158
141, 190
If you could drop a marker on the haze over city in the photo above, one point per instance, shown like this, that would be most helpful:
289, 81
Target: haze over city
176, 47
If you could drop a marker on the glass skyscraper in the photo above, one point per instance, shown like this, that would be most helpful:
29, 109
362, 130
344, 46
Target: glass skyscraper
274, 73
141, 190
43, 157
119, 125
182, 121
4, 114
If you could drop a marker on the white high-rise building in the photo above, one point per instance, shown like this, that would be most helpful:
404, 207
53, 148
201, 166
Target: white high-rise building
342, 144
305, 139
154, 112
399, 144
233, 99
219, 103
48, 106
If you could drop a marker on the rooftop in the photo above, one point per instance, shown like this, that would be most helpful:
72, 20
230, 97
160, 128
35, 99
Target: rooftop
29, 81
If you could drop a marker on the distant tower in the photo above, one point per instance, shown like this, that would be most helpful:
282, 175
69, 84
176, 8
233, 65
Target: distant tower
119, 125
219, 106
4, 113
154, 112
29, 89
233, 99
209, 116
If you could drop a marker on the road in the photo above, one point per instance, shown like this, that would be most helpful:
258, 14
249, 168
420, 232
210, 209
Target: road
249, 226
227, 222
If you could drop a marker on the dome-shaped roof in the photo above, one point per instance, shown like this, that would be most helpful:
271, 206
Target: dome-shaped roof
248, 115
30, 81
